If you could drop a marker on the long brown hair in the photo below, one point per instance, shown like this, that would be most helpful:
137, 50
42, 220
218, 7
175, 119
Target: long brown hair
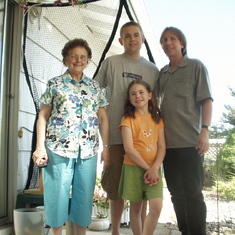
154, 110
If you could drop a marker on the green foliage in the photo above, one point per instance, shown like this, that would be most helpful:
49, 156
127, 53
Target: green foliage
218, 132
127, 204
101, 200
224, 166
209, 176
100, 215
226, 158
225, 189
229, 117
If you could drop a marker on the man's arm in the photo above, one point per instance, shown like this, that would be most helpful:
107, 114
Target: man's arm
203, 138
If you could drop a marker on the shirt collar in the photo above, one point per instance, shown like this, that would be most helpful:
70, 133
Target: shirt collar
67, 78
182, 63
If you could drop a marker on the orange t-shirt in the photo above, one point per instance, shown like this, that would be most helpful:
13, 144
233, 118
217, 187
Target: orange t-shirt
145, 134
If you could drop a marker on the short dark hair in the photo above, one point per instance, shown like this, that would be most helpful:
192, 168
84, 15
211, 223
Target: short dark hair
77, 42
131, 23
178, 33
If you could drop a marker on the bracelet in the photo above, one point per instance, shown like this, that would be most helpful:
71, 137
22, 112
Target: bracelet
107, 146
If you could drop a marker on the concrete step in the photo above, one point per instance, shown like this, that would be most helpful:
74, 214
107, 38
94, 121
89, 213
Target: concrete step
162, 229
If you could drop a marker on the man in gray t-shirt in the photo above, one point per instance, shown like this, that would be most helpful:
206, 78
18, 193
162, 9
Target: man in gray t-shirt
115, 75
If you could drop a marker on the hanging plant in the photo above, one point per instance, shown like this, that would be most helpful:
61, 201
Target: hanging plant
24, 4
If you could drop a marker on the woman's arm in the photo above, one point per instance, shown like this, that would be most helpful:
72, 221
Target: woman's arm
132, 153
104, 133
43, 117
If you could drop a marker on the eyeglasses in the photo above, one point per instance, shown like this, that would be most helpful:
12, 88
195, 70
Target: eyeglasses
81, 57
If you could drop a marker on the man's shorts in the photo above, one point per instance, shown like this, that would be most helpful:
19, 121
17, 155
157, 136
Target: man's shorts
111, 175
132, 186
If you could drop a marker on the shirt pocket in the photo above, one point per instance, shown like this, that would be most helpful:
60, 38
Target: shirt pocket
182, 88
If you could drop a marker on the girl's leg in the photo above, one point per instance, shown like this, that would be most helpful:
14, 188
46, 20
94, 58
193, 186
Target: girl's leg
143, 212
135, 217
57, 230
151, 220
80, 230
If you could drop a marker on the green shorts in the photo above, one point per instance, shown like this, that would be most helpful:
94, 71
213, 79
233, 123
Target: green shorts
111, 175
133, 188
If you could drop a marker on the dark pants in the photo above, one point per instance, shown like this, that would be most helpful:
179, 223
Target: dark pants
183, 169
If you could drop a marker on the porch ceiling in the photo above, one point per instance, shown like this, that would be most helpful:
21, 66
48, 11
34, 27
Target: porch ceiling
98, 17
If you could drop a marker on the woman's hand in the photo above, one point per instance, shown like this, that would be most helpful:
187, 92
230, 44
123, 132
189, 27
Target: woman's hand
39, 155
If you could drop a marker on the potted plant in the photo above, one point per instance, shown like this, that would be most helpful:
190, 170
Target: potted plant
100, 201
100, 220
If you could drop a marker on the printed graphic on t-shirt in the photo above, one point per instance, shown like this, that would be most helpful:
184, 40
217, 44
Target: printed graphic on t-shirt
131, 75
146, 134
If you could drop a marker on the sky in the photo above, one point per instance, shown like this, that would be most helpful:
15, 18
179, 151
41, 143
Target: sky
209, 27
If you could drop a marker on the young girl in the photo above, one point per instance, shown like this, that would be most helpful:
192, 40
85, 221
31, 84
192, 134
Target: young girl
144, 142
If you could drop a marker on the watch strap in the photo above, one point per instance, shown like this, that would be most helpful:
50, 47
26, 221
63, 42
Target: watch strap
205, 126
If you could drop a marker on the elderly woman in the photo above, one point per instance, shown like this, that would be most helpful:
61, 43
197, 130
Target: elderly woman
72, 113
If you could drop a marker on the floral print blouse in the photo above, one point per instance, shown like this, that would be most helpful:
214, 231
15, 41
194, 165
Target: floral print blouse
73, 124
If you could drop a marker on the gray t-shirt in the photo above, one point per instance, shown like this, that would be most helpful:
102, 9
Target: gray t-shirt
115, 75
181, 92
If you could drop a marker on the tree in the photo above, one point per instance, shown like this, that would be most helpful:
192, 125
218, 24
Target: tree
225, 165
230, 116
221, 131
218, 132
226, 158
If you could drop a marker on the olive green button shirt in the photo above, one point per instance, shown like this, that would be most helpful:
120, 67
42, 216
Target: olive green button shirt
181, 92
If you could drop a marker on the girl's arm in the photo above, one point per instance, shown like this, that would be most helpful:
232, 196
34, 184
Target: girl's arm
43, 117
151, 176
104, 133
132, 153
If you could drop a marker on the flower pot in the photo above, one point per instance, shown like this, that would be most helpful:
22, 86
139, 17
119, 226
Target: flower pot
99, 224
28, 221
98, 209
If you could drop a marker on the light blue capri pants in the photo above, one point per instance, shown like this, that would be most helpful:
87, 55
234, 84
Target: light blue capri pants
58, 176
